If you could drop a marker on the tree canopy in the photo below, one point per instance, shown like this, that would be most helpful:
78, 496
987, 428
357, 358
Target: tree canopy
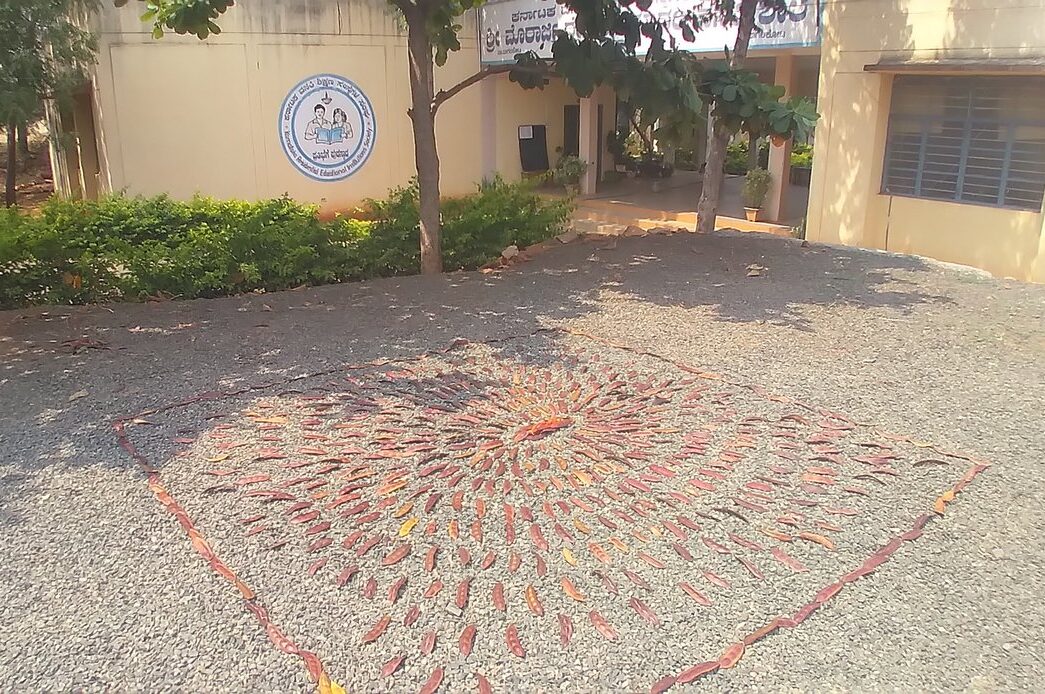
44, 52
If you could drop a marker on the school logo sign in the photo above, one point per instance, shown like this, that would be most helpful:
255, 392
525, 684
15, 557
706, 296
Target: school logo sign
327, 127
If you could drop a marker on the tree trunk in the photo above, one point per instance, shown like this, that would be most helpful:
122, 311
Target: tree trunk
647, 142
711, 190
752, 152
707, 208
426, 156
12, 163
23, 140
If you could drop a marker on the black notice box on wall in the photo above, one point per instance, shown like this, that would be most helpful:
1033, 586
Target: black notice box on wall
533, 148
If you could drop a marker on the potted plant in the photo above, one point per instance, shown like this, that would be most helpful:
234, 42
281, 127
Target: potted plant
568, 171
753, 192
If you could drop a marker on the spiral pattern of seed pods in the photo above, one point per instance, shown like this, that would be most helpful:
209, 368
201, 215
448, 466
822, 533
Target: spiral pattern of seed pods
586, 493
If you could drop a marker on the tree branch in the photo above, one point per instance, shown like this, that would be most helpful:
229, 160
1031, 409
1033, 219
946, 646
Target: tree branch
444, 95
642, 134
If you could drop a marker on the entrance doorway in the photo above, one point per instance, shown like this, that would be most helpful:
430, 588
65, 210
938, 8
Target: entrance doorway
571, 129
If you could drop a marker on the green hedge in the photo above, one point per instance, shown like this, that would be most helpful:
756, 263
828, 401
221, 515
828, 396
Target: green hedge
736, 156
802, 156
133, 248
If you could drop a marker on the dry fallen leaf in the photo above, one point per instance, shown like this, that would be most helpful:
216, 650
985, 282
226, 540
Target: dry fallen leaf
407, 526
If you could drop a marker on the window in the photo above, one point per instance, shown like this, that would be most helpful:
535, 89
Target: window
976, 140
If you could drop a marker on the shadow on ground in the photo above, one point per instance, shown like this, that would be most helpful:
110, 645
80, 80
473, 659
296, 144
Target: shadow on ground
91, 559
155, 354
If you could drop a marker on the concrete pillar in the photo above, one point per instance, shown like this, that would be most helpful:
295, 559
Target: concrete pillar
780, 155
66, 182
86, 144
589, 145
488, 125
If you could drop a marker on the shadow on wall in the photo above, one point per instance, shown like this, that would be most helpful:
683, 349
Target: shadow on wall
851, 208
849, 148
981, 29
1002, 241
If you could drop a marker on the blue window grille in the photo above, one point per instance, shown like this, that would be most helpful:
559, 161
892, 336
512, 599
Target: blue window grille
978, 140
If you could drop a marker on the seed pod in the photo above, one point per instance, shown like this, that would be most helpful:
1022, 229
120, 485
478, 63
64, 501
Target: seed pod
515, 646
376, 630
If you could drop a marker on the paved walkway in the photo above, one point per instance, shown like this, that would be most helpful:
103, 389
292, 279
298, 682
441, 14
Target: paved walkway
681, 192
587, 480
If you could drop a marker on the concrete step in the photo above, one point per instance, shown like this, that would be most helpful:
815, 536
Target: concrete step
598, 214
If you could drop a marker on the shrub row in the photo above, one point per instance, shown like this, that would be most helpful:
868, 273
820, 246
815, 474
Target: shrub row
737, 156
131, 248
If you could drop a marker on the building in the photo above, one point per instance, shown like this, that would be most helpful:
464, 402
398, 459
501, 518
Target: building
932, 131
931, 140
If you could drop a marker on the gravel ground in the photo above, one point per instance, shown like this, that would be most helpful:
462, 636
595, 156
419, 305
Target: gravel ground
103, 592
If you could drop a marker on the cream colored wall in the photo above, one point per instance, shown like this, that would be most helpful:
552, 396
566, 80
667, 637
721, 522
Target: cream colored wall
516, 106
845, 205
1003, 242
181, 116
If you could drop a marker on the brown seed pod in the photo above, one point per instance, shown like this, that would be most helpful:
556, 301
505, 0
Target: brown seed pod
637, 579
376, 630
788, 561
565, 630
644, 611
433, 589
498, 597
462, 593
392, 665
396, 555
467, 640
433, 682
602, 626
515, 646
571, 590
396, 590
533, 601
695, 594
731, 655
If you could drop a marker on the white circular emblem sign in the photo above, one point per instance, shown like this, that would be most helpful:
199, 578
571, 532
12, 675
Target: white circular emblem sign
327, 127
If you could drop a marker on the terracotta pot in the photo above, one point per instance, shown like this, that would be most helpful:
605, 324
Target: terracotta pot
752, 213
778, 140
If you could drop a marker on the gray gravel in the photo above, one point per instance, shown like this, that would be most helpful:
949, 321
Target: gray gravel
102, 592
